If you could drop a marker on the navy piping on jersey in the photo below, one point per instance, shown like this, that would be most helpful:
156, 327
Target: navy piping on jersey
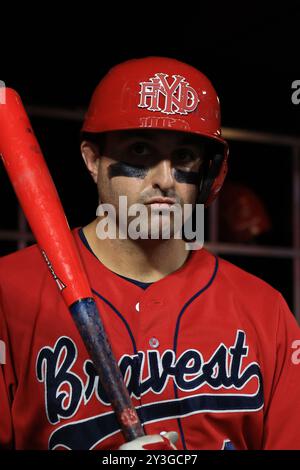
128, 330
121, 318
142, 285
177, 331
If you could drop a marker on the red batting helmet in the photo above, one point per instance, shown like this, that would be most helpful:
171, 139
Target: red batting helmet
162, 93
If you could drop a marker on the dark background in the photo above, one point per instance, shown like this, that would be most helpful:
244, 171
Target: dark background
250, 51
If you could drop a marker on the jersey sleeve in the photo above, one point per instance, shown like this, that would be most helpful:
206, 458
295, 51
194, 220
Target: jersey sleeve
282, 416
7, 385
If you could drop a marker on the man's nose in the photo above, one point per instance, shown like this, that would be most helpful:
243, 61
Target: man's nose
162, 175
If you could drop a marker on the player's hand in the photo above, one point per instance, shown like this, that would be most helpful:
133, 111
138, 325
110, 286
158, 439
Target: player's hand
163, 441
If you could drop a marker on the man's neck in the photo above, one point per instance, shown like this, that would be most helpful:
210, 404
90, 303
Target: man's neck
144, 260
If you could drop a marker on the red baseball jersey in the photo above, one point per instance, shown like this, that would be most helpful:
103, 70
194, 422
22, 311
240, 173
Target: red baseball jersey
208, 351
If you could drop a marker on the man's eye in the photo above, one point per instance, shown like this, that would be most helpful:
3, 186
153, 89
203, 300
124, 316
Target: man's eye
140, 149
186, 155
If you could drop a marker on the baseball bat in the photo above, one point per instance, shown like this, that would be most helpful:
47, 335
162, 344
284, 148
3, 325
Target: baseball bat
37, 195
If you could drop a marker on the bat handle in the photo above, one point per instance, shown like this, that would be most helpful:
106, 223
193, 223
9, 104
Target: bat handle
86, 316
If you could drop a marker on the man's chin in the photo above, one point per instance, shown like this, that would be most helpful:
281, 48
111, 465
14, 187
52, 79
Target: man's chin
159, 229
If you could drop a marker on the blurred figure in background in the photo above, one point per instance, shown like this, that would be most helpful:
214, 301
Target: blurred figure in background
243, 215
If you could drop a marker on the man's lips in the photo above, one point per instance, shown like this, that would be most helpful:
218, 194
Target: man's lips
162, 205
161, 200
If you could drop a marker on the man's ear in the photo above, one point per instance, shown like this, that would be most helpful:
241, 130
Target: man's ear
90, 155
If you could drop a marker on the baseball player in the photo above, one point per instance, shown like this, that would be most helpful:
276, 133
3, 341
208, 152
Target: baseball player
209, 353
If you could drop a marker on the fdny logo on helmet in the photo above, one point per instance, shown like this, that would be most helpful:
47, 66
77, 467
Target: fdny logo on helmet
158, 94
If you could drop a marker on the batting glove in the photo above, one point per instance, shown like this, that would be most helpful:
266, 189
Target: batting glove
163, 441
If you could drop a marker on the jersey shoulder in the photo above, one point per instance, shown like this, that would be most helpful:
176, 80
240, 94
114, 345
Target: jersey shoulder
250, 297
242, 280
22, 274
22, 264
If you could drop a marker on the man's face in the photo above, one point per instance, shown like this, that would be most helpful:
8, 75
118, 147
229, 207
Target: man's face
155, 168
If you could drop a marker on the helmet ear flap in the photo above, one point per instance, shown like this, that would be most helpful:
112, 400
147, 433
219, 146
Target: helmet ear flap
210, 174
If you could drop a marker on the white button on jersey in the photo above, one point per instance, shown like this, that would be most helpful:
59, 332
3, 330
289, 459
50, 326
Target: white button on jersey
154, 343
137, 307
